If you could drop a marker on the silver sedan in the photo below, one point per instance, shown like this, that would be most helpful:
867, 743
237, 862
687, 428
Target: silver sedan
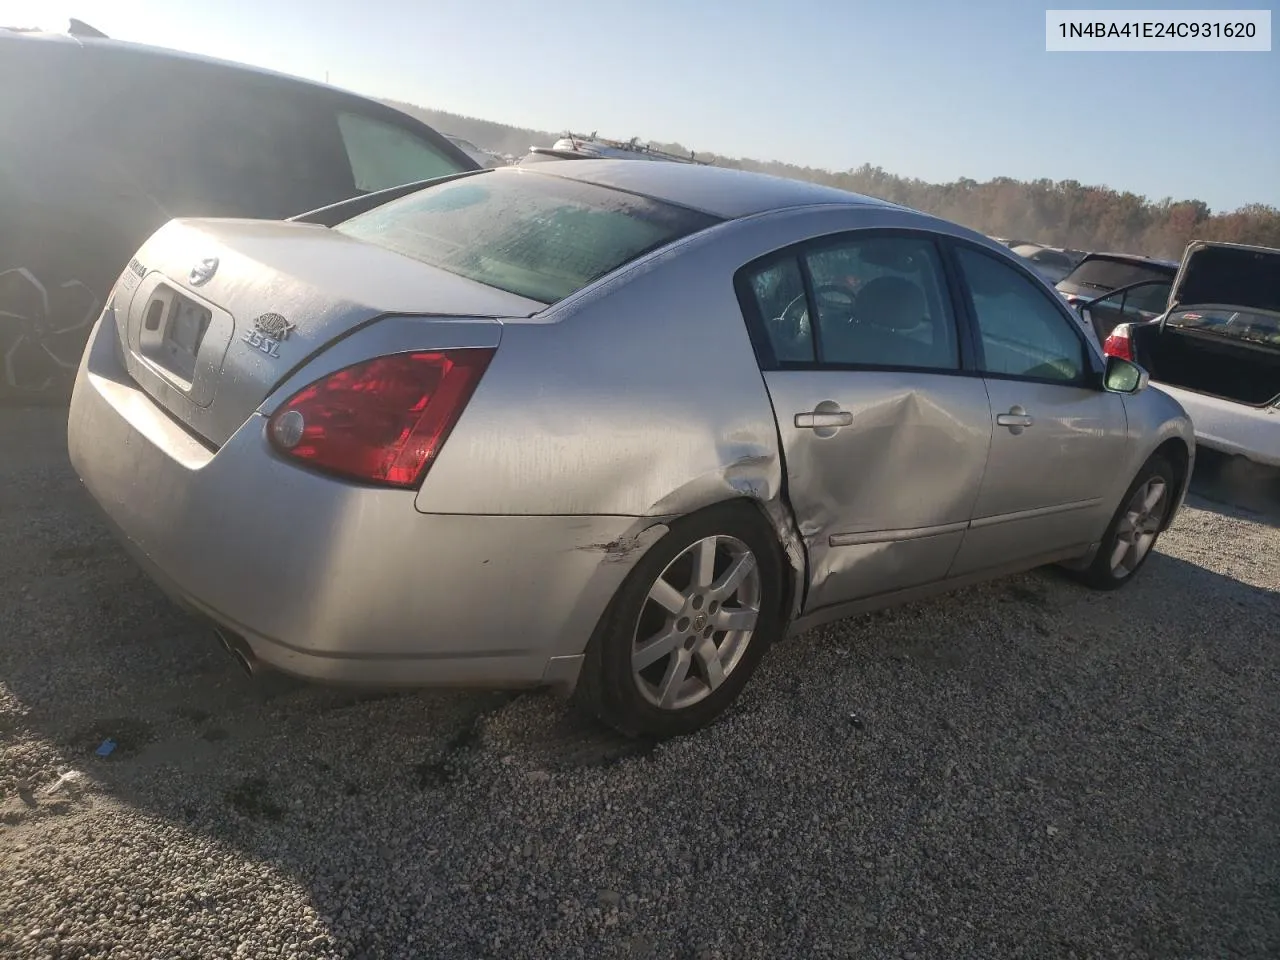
608, 427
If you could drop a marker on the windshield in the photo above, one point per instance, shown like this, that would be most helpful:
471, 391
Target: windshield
533, 235
1110, 274
1236, 324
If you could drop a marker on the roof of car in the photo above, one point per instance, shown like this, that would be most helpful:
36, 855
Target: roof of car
28, 37
719, 191
1131, 258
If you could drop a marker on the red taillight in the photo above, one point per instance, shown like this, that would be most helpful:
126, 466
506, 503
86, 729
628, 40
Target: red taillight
1119, 343
381, 421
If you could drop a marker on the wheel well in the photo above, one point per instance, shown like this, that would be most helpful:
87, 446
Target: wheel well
1174, 451
794, 580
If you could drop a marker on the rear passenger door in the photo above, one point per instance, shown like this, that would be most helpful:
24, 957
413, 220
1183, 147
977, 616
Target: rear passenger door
1058, 435
885, 441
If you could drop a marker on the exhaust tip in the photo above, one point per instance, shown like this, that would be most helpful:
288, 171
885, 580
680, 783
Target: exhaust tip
245, 664
239, 650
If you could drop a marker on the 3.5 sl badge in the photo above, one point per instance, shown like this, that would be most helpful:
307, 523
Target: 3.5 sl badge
269, 331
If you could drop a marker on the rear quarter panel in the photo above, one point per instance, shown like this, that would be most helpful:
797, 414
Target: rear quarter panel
638, 396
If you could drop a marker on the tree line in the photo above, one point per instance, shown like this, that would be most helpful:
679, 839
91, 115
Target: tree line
1062, 213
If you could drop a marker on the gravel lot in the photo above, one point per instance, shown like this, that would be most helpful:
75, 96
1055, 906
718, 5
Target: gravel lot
1022, 769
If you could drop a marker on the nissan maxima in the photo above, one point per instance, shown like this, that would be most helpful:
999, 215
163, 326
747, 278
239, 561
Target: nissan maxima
612, 428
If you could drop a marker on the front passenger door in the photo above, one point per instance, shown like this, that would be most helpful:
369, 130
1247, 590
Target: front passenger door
1058, 435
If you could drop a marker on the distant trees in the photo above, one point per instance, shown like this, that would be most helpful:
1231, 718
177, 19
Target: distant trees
1062, 213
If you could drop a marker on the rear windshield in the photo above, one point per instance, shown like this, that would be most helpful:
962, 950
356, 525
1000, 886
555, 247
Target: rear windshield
533, 235
1237, 324
1112, 274
1051, 258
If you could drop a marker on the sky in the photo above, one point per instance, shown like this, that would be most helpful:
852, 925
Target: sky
935, 89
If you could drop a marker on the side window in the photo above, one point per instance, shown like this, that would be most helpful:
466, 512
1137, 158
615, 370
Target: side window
1152, 298
1022, 334
778, 290
385, 155
882, 301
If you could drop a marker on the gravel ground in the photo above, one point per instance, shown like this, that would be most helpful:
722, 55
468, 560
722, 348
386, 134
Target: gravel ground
1023, 769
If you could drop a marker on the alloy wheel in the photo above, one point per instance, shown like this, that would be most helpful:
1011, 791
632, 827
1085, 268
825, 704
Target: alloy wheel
696, 623
1138, 526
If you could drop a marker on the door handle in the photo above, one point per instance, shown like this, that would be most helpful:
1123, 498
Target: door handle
820, 420
1015, 419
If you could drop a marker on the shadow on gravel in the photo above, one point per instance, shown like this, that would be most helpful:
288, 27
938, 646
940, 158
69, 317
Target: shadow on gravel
1235, 487
1024, 767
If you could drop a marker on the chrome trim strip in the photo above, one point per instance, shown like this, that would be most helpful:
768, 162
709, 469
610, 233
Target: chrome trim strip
1035, 512
890, 536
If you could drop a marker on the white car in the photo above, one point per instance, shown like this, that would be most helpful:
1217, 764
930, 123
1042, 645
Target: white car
1051, 264
486, 158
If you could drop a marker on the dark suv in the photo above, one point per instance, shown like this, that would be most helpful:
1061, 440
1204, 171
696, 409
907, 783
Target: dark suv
102, 142
1101, 273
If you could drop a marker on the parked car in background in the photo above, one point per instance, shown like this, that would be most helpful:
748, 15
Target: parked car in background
1216, 348
482, 157
1135, 303
101, 142
1051, 263
608, 427
577, 147
1100, 273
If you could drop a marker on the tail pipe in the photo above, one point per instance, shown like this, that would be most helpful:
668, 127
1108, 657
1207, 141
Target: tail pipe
235, 645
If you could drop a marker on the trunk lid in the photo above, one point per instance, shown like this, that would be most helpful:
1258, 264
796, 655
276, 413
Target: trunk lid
1229, 275
222, 311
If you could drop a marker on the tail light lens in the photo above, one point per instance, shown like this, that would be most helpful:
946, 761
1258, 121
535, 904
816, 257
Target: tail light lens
1119, 343
382, 421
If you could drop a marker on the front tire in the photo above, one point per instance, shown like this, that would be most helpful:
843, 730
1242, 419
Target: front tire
1135, 528
688, 626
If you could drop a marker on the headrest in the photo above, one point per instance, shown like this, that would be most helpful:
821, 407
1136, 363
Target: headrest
894, 303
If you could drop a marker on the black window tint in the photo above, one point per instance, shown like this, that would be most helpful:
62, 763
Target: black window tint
384, 155
1150, 299
1022, 334
778, 290
208, 141
535, 236
882, 301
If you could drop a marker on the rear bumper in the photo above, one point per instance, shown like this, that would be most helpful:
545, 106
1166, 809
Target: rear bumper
333, 581
1231, 428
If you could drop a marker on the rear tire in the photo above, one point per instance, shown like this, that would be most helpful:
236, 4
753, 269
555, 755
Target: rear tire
687, 627
1132, 534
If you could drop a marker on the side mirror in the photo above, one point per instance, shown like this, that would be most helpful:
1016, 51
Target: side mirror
1124, 376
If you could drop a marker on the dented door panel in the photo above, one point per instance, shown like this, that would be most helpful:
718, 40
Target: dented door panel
884, 484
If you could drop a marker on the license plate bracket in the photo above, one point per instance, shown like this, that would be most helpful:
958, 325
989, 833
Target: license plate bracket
184, 330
